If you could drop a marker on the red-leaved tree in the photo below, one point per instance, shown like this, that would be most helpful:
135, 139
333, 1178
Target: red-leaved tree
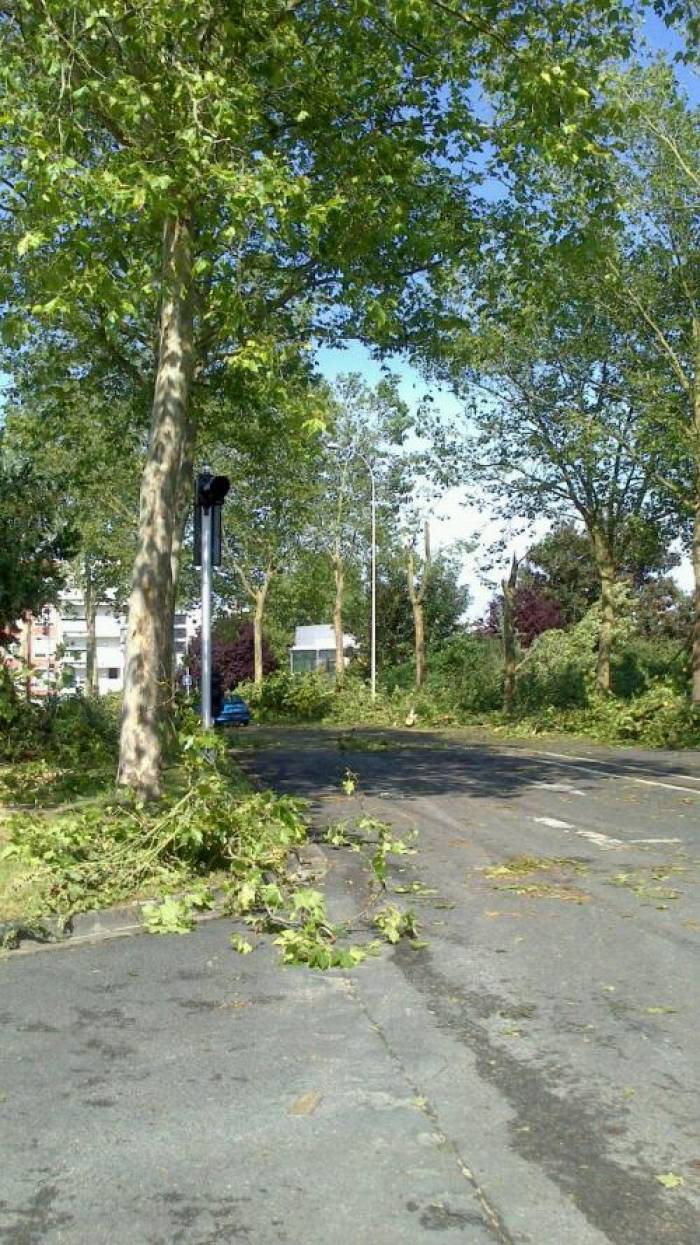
231, 656
533, 613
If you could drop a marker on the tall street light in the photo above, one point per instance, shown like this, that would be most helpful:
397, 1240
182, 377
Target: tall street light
334, 445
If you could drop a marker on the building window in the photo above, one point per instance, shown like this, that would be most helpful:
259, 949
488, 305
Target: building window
112, 672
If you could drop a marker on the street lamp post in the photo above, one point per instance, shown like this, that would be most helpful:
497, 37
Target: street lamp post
333, 445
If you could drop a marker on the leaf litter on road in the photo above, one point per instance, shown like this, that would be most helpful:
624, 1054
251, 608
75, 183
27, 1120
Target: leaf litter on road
512, 875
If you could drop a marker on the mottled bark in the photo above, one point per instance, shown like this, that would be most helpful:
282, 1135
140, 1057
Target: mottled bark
509, 638
92, 686
150, 607
182, 511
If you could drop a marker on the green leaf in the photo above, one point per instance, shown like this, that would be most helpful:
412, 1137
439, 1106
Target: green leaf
670, 1180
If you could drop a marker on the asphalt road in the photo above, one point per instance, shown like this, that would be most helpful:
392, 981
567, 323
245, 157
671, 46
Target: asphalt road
524, 1079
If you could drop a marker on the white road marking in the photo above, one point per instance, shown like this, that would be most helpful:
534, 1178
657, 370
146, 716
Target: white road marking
670, 786
601, 840
560, 786
594, 761
593, 836
654, 840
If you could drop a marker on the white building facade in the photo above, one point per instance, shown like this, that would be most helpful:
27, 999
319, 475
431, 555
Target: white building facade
53, 646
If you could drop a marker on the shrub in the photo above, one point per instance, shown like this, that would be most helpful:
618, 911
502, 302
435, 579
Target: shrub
295, 697
466, 674
75, 730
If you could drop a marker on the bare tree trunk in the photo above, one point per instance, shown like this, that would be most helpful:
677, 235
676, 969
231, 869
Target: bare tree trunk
417, 597
92, 686
419, 633
338, 620
259, 597
607, 572
258, 635
509, 647
150, 608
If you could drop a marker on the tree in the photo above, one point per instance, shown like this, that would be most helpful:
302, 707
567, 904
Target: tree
557, 404
211, 170
444, 606
533, 612
267, 518
34, 543
58, 424
509, 586
232, 653
417, 580
635, 239
653, 281
367, 469
561, 567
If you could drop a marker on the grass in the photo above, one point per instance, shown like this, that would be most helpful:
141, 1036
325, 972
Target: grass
55, 792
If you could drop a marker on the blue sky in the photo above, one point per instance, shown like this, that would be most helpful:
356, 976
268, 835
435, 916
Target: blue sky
452, 519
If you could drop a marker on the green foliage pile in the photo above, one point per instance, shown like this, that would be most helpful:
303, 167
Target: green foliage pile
287, 697
121, 848
210, 829
74, 731
555, 689
660, 717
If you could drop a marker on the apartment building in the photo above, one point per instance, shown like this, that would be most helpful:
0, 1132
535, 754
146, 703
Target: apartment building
53, 645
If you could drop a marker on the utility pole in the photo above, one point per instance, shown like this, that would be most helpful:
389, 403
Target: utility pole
210, 492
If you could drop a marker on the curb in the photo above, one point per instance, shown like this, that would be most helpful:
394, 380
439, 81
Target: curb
127, 920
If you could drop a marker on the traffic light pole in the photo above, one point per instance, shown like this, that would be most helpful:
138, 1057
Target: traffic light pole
209, 494
205, 688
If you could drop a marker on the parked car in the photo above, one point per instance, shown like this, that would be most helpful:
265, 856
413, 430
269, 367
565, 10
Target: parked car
234, 712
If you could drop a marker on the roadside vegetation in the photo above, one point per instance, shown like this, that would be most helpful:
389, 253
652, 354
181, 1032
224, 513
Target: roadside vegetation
505, 199
70, 843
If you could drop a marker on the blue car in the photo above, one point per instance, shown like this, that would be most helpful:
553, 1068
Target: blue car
234, 712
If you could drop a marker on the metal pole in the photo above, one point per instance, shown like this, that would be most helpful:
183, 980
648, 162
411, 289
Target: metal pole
373, 658
205, 685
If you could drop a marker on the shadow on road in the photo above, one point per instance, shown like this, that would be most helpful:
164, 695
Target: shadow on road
316, 767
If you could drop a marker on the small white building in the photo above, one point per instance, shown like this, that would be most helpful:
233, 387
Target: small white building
314, 649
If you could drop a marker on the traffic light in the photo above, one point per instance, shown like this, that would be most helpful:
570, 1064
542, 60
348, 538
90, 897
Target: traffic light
209, 494
210, 490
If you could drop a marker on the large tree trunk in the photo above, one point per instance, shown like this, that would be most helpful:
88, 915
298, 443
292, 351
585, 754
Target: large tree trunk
605, 563
182, 510
92, 686
509, 645
338, 620
149, 636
